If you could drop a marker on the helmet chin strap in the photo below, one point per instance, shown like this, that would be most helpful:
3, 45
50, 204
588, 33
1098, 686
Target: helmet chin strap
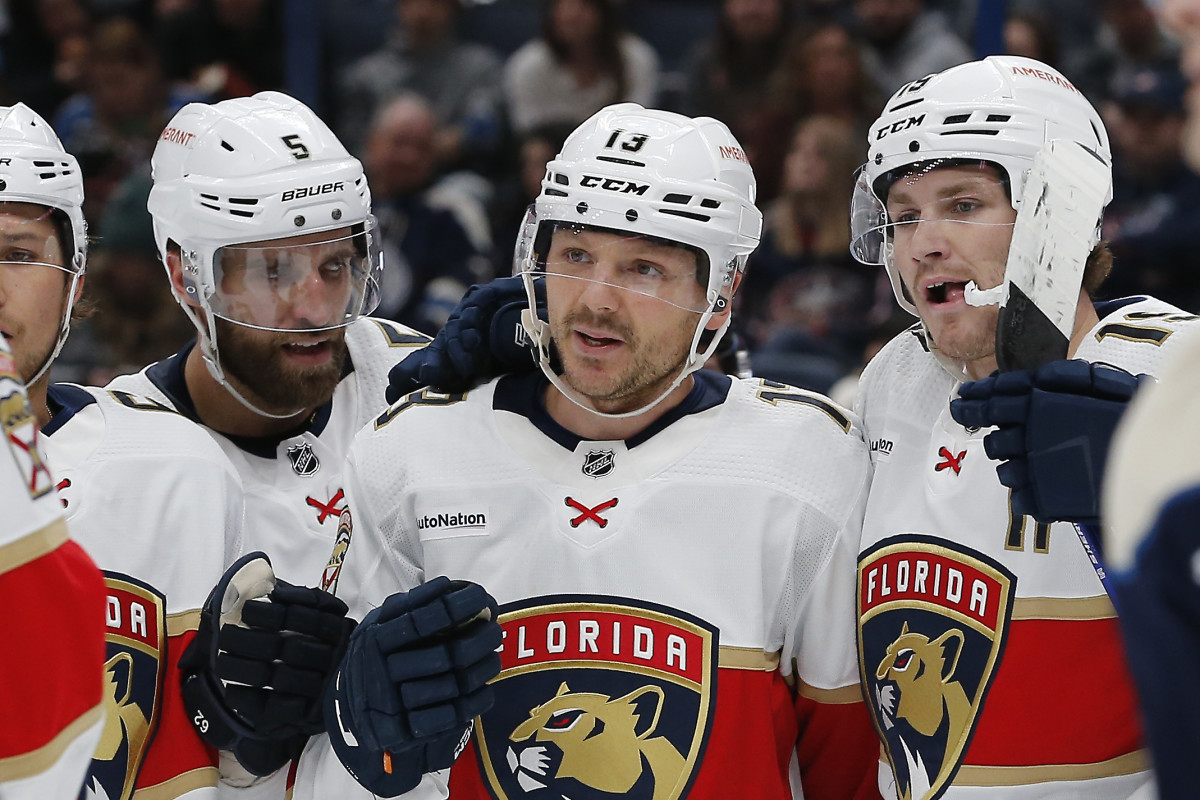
212, 360
64, 330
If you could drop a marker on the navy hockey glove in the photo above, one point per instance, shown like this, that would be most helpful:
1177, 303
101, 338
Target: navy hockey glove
482, 338
254, 677
414, 678
1053, 430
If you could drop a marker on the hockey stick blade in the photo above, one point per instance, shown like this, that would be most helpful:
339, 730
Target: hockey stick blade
1055, 230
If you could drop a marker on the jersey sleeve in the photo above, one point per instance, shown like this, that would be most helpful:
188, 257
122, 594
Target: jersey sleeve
837, 749
50, 678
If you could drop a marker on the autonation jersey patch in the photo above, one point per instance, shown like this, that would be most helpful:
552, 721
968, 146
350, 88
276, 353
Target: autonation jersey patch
597, 697
932, 621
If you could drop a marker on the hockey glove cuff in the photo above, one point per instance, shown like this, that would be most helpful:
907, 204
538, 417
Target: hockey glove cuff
255, 675
414, 678
1053, 430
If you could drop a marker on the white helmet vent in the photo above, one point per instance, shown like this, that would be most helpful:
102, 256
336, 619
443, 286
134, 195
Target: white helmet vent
234, 206
626, 161
678, 212
53, 169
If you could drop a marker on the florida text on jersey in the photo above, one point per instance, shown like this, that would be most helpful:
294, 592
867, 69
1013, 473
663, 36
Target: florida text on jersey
989, 650
677, 607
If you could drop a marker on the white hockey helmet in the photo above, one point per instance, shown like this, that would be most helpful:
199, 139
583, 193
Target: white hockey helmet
1000, 110
651, 173
233, 175
257, 169
34, 168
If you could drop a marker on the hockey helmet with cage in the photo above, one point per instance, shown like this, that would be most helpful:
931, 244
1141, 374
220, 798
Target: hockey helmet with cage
655, 174
1000, 110
35, 168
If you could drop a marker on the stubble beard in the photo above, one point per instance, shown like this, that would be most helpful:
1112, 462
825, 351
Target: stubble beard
970, 339
645, 376
255, 359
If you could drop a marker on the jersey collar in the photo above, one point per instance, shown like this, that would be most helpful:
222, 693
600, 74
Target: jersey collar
168, 376
64, 401
522, 394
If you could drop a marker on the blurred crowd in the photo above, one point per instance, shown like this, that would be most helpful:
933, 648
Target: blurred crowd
454, 107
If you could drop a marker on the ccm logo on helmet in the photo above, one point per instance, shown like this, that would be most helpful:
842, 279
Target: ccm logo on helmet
301, 192
613, 185
896, 127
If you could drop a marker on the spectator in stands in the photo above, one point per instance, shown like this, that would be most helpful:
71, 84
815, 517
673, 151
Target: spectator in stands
133, 321
515, 194
906, 41
112, 126
583, 61
429, 259
1031, 34
805, 302
1128, 39
227, 48
43, 51
740, 75
1152, 222
459, 80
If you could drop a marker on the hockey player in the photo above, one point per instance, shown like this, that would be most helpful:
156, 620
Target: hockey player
262, 220
990, 650
51, 704
125, 467
672, 549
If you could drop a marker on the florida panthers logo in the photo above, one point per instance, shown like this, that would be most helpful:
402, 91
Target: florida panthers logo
133, 678
932, 624
600, 699
606, 744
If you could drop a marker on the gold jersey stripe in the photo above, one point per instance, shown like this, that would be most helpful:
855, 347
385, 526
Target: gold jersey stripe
38, 761
198, 778
183, 621
1099, 607
841, 696
747, 658
32, 546
1137, 761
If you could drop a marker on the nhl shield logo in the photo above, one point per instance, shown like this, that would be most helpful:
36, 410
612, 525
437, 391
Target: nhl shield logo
933, 618
135, 644
598, 463
304, 460
598, 697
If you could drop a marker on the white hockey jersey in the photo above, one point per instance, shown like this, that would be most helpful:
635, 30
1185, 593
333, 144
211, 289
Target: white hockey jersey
990, 652
51, 709
663, 599
293, 484
158, 507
